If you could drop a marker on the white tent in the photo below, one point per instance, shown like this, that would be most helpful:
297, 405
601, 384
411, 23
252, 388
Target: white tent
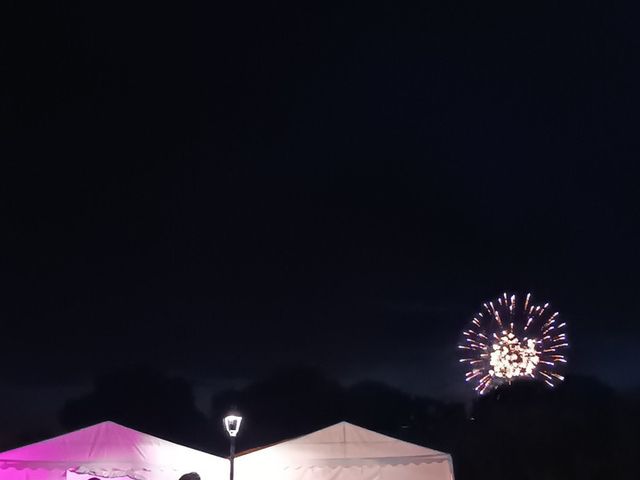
108, 450
344, 452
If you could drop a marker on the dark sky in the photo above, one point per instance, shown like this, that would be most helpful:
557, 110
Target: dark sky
224, 190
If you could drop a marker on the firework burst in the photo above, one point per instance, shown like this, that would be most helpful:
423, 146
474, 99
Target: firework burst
511, 339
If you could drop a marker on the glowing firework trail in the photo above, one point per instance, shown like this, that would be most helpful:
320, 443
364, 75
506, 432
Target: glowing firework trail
510, 340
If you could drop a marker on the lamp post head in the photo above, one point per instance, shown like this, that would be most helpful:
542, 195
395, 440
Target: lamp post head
232, 424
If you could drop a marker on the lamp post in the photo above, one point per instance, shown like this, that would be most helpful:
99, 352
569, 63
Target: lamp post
232, 425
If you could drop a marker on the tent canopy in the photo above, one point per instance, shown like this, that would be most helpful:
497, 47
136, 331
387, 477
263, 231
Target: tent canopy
345, 451
108, 450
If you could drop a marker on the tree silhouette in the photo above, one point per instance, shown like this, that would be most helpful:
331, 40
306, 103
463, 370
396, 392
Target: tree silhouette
291, 403
142, 399
298, 401
581, 429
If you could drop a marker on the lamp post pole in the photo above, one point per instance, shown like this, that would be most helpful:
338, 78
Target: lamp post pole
232, 425
232, 453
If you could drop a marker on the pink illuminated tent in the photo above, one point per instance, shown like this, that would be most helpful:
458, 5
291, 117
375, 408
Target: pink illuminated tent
108, 450
344, 452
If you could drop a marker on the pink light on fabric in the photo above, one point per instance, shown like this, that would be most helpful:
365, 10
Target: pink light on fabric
108, 450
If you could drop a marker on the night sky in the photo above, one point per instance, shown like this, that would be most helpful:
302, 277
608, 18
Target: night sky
222, 191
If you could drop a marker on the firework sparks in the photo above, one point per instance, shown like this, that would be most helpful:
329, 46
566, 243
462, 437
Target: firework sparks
510, 340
